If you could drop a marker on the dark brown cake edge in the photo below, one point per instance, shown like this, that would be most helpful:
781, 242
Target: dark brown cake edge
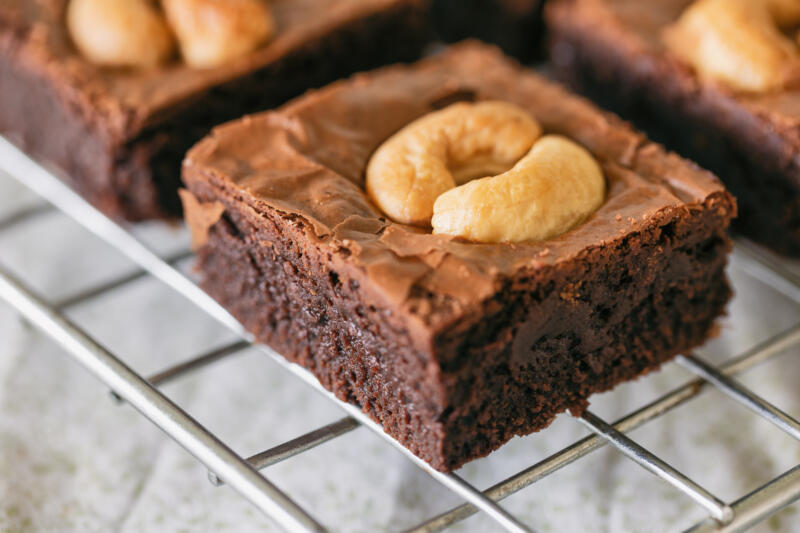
513, 25
304, 302
755, 161
51, 123
549, 339
139, 179
307, 304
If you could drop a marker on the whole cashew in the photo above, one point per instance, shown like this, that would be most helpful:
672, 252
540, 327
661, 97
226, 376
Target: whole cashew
120, 33
443, 149
738, 42
555, 187
211, 32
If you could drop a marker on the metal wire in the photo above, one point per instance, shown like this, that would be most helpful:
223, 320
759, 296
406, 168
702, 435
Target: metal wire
741, 394
158, 408
107, 286
296, 446
648, 460
24, 214
195, 363
21, 167
755, 356
24, 169
758, 505
226, 465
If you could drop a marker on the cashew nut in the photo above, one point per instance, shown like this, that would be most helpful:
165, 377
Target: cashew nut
120, 33
443, 149
738, 42
555, 187
211, 32
422, 175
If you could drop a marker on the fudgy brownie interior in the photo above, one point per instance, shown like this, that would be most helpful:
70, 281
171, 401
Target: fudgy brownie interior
455, 347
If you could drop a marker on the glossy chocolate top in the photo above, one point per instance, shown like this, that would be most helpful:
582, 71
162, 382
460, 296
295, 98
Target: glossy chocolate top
131, 99
308, 159
638, 26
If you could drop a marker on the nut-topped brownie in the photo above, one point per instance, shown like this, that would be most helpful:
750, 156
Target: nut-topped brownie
113, 92
716, 80
458, 326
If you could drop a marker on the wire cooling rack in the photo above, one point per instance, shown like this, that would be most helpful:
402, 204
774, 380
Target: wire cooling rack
227, 467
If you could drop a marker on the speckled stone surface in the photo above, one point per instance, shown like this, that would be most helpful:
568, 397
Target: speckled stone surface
71, 461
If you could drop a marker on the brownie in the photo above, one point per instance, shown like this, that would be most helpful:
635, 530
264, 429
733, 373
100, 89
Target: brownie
611, 50
118, 136
514, 25
454, 347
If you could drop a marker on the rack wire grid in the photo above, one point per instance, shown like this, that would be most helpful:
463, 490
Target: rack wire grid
225, 466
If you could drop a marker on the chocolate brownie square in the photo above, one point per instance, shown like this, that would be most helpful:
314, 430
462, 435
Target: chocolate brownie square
453, 346
118, 135
614, 52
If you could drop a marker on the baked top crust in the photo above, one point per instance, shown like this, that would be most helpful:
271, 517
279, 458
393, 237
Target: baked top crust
124, 102
636, 27
307, 161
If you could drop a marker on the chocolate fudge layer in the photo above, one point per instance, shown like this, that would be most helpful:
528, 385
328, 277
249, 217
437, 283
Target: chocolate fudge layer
612, 51
514, 25
454, 347
118, 136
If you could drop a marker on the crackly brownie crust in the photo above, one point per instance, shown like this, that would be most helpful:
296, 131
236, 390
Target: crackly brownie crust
610, 50
454, 347
118, 137
513, 25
